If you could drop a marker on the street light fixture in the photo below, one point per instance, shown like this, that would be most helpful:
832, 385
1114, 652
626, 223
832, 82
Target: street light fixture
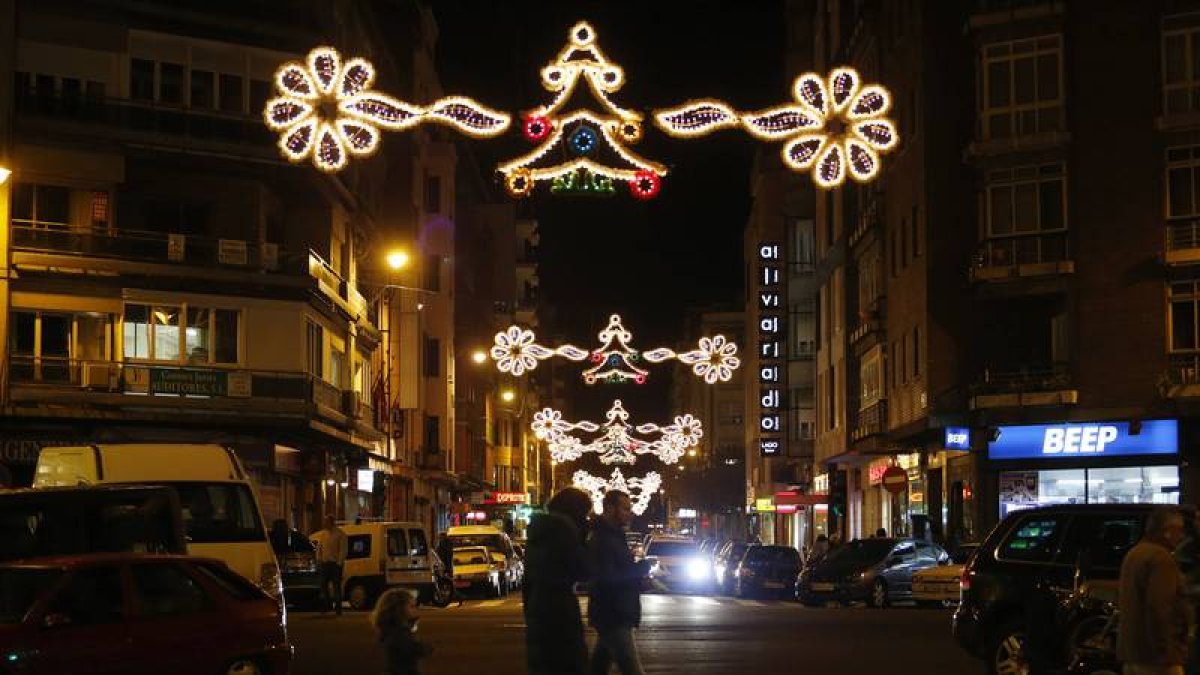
397, 260
508, 395
479, 356
5, 172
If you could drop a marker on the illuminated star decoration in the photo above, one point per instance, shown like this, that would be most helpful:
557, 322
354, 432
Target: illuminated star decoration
617, 445
640, 490
515, 351
837, 127
582, 150
327, 111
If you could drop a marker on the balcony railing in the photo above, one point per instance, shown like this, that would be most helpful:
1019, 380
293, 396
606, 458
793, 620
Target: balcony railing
1026, 249
1183, 241
246, 131
1020, 380
1183, 370
870, 421
157, 247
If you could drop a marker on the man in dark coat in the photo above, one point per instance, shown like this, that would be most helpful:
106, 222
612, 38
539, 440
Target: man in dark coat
555, 561
616, 598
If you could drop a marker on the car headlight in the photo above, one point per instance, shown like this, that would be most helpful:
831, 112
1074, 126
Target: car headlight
699, 569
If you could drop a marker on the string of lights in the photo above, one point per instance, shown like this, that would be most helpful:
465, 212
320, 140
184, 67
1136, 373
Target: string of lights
640, 490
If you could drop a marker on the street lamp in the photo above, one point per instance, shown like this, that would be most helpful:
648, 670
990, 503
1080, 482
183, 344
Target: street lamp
5, 172
508, 395
479, 356
397, 260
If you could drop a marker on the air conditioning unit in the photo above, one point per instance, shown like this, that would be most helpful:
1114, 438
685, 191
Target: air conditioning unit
98, 375
350, 404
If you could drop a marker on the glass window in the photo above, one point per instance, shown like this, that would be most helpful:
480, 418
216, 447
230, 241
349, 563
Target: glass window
358, 546
337, 367
433, 357
672, 549
906, 551
1035, 539
226, 335
1181, 65
20, 587
165, 321
92, 596
219, 512
229, 581
1022, 92
44, 206
141, 80
170, 88
1134, 485
196, 340
260, 91
417, 542
232, 100
1102, 538
24, 333
314, 349
137, 331
1183, 317
165, 590
203, 89
397, 542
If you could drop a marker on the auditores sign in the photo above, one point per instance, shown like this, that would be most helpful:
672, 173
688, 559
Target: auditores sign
770, 341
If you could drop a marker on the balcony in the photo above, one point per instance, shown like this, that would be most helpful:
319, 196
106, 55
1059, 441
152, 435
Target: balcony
870, 217
1024, 256
1182, 379
872, 326
870, 421
1023, 387
141, 121
93, 387
156, 247
1183, 242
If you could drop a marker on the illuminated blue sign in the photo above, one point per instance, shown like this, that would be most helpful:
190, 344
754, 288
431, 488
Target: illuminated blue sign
1075, 440
958, 438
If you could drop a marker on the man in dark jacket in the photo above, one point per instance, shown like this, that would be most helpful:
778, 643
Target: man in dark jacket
1155, 615
616, 603
555, 560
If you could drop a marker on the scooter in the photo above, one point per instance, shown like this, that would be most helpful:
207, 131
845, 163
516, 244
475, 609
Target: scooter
441, 592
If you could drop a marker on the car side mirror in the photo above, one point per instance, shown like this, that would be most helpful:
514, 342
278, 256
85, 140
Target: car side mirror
56, 619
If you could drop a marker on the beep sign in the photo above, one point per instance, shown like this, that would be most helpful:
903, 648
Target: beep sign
1081, 440
770, 349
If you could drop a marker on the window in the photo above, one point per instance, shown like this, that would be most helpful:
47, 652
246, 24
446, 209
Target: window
433, 194
141, 80
802, 248
905, 552
203, 89
870, 285
314, 349
397, 543
1034, 539
1181, 69
232, 100
916, 351
1183, 182
432, 361
231, 582
170, 87
1022, 89
216, 513
1101, 539
43, 206
870, 377
433, 272
1184, 296
358, 546
165, 590
181, 333
417, 542
92, 596
433, 434
260, 91
337, 366
902, 347
1027, 215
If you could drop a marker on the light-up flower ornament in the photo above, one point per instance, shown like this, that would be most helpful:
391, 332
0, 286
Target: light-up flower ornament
617, 442
714, 359
327, 111
640, 490
515, 351
837, 128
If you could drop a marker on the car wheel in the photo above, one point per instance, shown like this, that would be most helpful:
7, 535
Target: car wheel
879, 594
243, 667
358, 596
1006, 655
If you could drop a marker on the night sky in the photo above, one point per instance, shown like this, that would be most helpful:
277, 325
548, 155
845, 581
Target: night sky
648, 261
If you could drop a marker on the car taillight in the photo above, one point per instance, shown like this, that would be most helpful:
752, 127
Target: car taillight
964, 581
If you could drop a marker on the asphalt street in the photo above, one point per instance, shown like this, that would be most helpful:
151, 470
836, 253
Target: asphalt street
698, 635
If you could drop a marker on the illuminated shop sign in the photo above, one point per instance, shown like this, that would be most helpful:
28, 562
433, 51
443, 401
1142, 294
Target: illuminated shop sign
770, 349
1085, 439
958, 438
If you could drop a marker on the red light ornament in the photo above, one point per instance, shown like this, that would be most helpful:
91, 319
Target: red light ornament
645, 185
536, 128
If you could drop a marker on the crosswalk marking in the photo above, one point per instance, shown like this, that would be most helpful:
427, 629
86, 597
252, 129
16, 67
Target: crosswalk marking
749, 603
493, 603
650, 600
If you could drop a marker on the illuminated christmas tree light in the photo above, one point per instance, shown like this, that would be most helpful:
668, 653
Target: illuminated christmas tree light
640, 490
617, 443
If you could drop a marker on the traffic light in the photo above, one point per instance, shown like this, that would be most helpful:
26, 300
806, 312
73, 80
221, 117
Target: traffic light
837, 499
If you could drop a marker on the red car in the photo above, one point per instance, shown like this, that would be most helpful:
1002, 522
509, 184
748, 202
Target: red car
137, 614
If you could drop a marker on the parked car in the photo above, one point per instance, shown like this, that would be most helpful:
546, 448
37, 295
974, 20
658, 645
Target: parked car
498, 544
938, 586
725, 564
382, 555
767, 570
297, 557
1033, 551
132, 614
878, 571
476, 570
678, 564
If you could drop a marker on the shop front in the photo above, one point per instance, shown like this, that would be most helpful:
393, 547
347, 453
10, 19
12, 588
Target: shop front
508, 511
1107, 462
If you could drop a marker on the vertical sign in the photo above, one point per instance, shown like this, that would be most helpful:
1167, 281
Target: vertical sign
770, 349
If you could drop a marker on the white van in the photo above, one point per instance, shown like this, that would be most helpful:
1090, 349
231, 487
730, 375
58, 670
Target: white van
382, 555
221, 515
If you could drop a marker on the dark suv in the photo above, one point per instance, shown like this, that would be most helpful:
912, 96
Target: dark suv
1037, 551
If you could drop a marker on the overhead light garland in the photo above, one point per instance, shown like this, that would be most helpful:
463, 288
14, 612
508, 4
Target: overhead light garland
326, 111
516, 351
837, 128
617, 444
640, 490
593, 142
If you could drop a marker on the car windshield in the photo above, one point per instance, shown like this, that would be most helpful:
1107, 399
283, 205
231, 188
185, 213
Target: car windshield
20, 588
672, 549
215, 513
737, 551
472, 556
862, 551
492, 541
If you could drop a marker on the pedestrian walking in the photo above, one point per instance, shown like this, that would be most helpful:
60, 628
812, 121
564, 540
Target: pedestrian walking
1155, 615
331, 556
615, 608
395, 622
555, 560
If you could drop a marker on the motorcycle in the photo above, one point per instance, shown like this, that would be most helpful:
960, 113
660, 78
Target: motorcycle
441, 592
1093, 638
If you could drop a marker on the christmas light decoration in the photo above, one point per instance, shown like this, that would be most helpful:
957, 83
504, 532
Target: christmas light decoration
837, 130
516, 351
714, 359
696, 118
640, 490
645, 185
327, 112
618, 443
582, 183
593, 140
